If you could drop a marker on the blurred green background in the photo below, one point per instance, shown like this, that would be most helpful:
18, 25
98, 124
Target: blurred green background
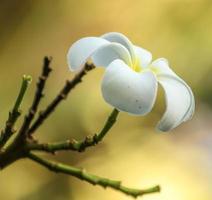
133, 151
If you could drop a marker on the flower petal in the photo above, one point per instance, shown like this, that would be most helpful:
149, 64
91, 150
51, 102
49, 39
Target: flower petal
128, 90
161, 66
179, 102
104, 55
82, 49
144, 56
179, 90
121, 39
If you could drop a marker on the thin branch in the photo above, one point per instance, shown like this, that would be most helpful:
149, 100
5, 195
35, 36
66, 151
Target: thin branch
40, 87
77, 145
38, 95
15, 113
90, 178
61, 96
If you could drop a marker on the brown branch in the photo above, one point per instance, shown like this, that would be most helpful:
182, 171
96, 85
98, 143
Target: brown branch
40, 87
61, 96
16, 149
38, 95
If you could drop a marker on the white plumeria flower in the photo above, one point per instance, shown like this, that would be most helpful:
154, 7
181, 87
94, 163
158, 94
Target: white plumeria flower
131, 78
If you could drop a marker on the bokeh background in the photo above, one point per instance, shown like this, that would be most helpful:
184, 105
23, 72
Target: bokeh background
133, 151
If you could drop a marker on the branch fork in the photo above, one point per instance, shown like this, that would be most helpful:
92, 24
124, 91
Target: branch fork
23, 145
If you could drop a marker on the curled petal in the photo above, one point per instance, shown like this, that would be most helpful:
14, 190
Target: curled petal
104, 55
127, 90
81, 51
161, 67
99, 50
179, 96
179, 102
144, 56
121, 39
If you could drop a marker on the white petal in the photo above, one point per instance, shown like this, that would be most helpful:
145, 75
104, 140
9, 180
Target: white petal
82, 49
104, 55
179, 101
144, 56
167, 75
161, 66
128, 90
121, 39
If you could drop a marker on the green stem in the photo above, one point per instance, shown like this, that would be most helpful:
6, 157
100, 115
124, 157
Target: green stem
25, 83
15, 113
90, 178
77, 145
108, 125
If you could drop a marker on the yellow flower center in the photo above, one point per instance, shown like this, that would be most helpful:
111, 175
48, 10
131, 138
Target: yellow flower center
137, 67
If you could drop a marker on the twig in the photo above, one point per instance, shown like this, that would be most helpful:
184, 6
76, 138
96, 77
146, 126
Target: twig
90, 178
38, 95
21, 146
77, 145
15, 113
61, 96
